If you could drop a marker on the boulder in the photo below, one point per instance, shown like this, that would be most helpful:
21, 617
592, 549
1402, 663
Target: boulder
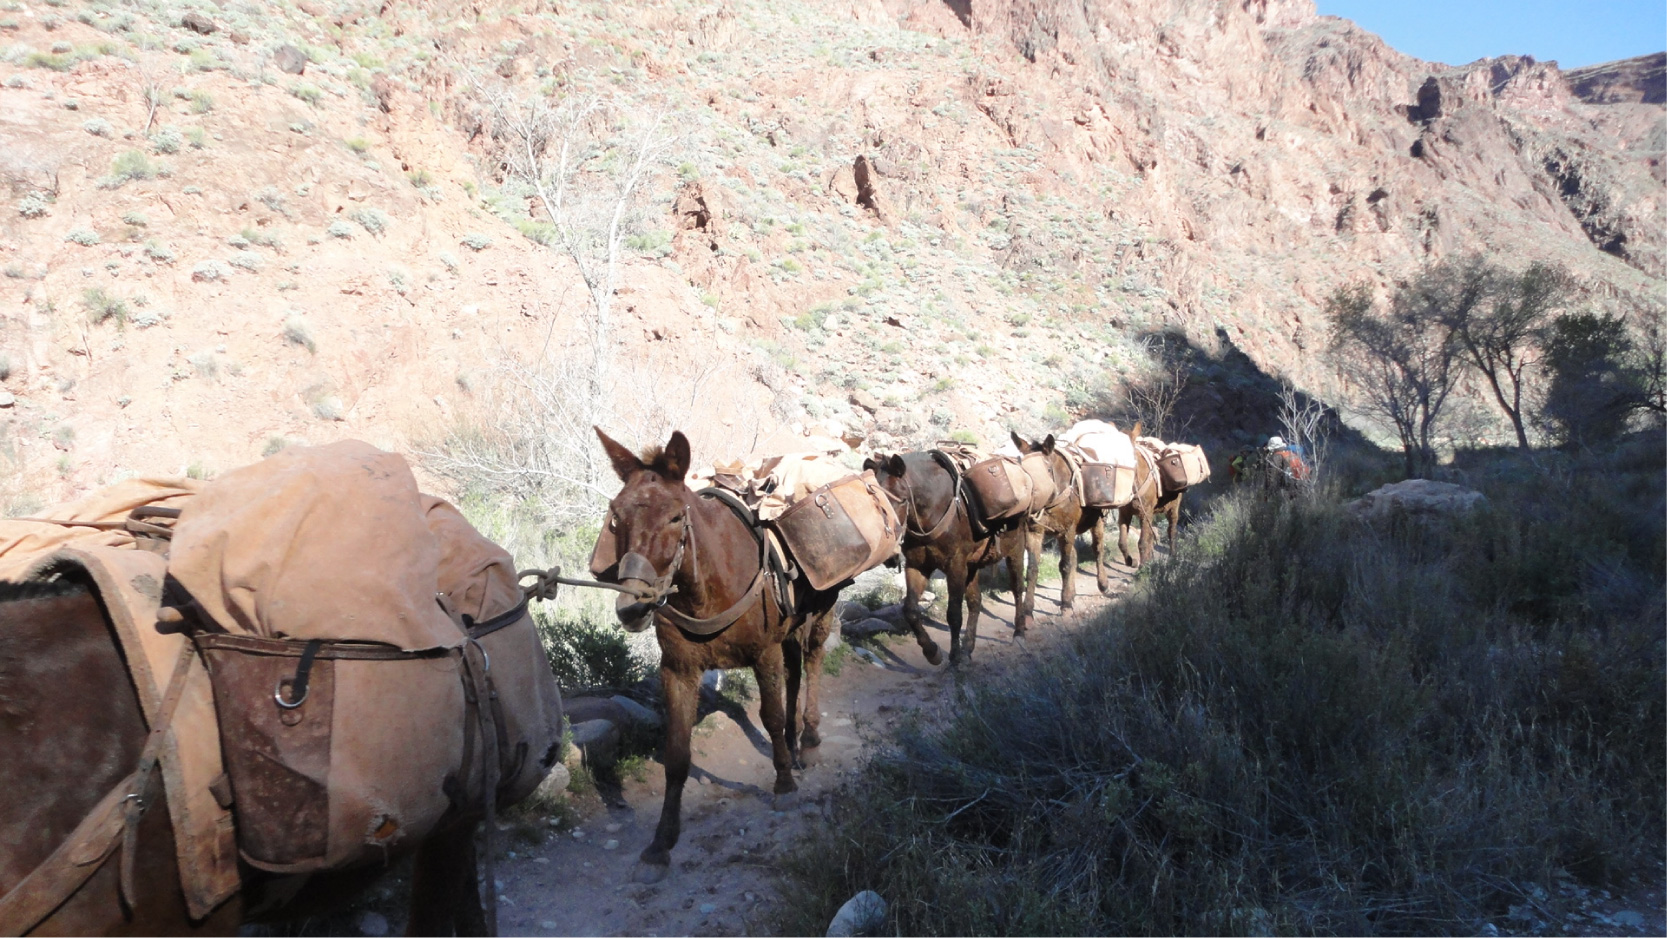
862, 914
851, 612
197, 23
555, 783
595, 743
289, 59
1416, 498
636, 712
870, 626
585, 709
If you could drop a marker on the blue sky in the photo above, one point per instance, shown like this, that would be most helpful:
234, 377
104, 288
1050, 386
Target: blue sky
1573, 32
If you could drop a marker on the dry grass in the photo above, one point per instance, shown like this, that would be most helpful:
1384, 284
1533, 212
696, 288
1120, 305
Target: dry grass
1301, 724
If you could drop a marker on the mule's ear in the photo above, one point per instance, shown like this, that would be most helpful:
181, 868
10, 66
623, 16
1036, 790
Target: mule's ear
626, 463
673, 463
871, 465
895, 465
1047, 445
1135, 433
1018, 441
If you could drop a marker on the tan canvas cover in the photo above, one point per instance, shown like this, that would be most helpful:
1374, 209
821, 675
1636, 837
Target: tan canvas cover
479, 578
1182, 465
1043, 491
1106, 486
325, 542
1101, 442
769, 484
129, 582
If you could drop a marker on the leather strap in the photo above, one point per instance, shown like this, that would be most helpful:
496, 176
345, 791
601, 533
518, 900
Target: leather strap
115, 819
712, 625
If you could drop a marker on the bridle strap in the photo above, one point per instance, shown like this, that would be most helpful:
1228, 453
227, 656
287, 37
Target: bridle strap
712, 625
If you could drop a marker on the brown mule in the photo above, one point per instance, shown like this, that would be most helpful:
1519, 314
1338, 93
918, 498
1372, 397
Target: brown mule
701, 579
71, 729
1063, 520
939, 535
1148, 500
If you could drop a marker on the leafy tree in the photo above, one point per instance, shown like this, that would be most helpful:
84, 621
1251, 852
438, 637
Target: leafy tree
1499, 336
1405, 359
1595, 384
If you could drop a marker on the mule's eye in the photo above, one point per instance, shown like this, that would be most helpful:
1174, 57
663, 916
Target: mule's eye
613, 523
676, 519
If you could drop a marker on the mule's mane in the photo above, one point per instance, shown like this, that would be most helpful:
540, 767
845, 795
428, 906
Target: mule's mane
653, 456
19, 591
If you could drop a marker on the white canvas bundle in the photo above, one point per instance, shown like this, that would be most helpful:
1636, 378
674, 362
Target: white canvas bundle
1102, 442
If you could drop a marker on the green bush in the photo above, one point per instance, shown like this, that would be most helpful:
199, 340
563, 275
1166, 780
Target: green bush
102, 305
1301, 723
584, 654
128, 165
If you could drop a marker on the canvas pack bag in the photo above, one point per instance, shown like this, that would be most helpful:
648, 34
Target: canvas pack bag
840, 529
1107, 486
350, 699
1043, 491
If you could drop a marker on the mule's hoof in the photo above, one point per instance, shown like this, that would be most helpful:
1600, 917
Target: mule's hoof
1105, 588
650, 873
786, 785
934, 655
786, 802
810, 739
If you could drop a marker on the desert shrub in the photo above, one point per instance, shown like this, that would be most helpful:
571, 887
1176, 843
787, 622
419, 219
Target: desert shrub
476, 242
159, 252
208, 272
97, 126
583, 653
1301, 723
247, 260
339, 229
86, 237
307, 93
127, 166
102, 305
372, 220
167, 140
32, 206
296, 332
136, 218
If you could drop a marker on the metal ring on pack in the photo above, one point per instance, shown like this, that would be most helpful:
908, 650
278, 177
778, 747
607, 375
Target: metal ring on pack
278, 695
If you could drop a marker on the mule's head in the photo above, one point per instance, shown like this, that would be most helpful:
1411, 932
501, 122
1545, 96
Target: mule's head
646, 533
890, 471
1043, 446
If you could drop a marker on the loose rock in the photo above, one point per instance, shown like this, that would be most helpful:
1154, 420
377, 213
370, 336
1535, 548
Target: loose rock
597, 741
198, 23
289, 59
870, 627
1418, 498
862, 914
374, 924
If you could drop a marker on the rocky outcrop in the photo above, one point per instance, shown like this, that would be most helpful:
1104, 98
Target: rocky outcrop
1420, 498
1642, 80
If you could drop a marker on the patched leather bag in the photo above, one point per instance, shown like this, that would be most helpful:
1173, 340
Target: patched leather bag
1001, 487
1181, 466
840, 529
1106, 486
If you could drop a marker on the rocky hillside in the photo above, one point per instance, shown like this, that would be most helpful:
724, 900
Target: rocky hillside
234, 225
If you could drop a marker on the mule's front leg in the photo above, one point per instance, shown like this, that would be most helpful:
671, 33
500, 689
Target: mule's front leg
975, 608
914, 583
955, 583
816, 647
1148, 536
681, 699
445, 886
793, 660
771, 707
1032, 548
1125, 518
1067, 568
1102, 579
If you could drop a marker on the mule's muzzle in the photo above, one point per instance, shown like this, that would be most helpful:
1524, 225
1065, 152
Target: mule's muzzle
649, 592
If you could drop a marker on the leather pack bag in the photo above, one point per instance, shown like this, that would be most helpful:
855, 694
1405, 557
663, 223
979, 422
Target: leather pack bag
1001, 487
1106, 486
1180, 466
840, 529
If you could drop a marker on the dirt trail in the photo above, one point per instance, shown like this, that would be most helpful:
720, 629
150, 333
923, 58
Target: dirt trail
722, 877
